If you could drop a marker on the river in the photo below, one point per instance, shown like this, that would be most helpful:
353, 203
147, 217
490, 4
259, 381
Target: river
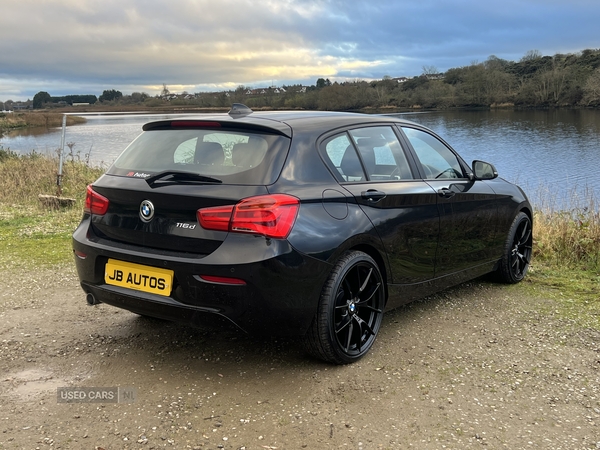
553, 154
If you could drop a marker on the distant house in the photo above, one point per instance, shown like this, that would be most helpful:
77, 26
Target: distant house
264, 91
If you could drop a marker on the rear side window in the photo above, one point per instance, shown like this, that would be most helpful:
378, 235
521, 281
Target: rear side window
234, 156
372, 153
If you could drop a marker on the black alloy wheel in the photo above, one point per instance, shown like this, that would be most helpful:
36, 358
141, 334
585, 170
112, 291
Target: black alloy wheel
517, 251
350, 311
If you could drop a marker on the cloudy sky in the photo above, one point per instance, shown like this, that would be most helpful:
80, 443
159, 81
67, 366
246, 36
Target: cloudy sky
86, 46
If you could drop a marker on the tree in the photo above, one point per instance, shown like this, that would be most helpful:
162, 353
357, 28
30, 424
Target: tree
165, 90
138, 97
108, 96
321, 83
495, 63
531, 55
239, 95
414, 83
40, 98
383, 89
591, 89
70, 99
455, 75
550, 84
430, 70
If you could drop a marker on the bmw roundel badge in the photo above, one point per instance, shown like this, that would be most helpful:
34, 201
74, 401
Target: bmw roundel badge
146, 211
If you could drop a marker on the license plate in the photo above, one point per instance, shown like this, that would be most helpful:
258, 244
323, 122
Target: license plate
138, 277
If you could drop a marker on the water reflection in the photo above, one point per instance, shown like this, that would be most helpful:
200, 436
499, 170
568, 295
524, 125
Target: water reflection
551, 154
37, 131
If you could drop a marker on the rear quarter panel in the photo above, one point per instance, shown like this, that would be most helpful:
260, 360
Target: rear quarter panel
321, 230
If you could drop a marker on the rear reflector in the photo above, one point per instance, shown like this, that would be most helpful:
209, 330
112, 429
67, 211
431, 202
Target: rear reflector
222, 280
79, 254
95, 203
272, 216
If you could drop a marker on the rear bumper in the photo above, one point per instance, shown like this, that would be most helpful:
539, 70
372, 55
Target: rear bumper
156, 306
280, 295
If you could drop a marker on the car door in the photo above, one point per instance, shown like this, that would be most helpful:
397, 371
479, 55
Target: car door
371, 164
468, 209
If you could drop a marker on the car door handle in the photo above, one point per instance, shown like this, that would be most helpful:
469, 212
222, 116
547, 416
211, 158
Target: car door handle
446, 193
373, 195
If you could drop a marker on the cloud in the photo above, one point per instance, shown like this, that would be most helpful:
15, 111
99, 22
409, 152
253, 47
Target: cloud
73, 45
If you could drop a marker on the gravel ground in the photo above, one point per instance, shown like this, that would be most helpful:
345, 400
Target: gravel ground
479, 365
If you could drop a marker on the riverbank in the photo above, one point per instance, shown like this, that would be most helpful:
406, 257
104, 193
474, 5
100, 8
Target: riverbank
43, 119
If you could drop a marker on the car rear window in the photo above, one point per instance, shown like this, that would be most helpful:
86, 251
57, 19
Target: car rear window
233, 156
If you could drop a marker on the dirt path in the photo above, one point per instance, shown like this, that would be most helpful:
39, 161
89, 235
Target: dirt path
478, 365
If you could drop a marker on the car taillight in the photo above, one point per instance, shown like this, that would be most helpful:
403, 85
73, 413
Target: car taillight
216, 218
272, 216
95, 203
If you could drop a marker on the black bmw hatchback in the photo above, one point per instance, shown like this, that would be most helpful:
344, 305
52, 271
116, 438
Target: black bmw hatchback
294, 223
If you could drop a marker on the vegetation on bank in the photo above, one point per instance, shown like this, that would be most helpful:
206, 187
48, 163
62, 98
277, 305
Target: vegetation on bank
30, 234
562, 80
35, 119
566, 263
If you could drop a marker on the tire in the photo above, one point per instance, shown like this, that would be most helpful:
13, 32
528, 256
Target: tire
517, 251
350, 311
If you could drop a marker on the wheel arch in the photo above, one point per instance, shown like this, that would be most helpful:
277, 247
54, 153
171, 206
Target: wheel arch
379, 260
527, 209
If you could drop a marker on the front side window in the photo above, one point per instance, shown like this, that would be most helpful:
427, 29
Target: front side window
437, 160
367, 154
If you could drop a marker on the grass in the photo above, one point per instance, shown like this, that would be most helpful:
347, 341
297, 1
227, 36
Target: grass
575, 293
571, 237
25, 177
566, 260
32, 235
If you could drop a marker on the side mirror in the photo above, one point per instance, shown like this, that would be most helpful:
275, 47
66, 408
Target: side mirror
484, 171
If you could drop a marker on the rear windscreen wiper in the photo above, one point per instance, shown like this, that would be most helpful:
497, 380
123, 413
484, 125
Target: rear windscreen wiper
178, 175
